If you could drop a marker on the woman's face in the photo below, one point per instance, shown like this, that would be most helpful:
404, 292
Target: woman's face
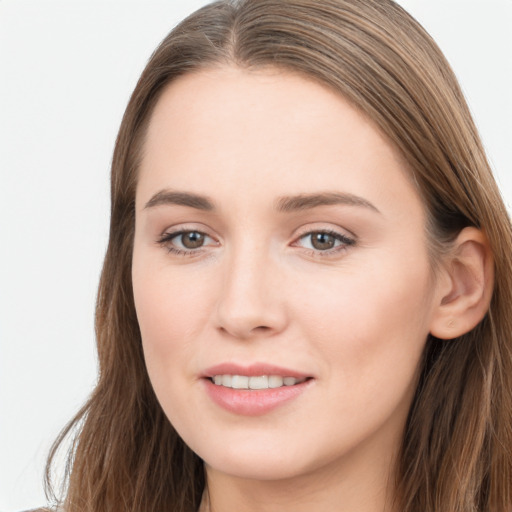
279, 246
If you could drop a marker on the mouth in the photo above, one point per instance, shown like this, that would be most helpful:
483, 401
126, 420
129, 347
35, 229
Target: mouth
255, 382
255, 389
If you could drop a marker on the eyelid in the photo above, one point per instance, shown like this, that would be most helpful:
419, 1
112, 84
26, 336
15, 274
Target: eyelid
346, 238
166, 237
324, 227
342, 235
185, 227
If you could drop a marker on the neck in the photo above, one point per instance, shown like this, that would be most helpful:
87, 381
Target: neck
365, 489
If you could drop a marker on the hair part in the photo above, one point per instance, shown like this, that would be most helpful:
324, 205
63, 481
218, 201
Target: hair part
456, 452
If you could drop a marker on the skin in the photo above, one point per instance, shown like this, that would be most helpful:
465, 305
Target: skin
354, 318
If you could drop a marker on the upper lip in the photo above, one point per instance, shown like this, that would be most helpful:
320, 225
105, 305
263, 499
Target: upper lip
252, 370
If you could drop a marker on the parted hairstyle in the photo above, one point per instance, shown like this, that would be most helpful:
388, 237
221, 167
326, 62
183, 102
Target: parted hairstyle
456, 454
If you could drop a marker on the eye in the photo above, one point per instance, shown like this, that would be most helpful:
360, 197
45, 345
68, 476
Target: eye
190, 239
324, 241
185, 241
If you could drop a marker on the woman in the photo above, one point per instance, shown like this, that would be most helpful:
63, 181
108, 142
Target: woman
305, 300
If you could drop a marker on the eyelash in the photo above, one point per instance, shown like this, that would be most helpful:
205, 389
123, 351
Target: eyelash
344, 239
166, 241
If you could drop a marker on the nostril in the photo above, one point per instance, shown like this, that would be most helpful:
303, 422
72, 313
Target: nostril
246, 332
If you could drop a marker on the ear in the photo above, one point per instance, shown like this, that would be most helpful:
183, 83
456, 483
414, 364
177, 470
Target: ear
466, 286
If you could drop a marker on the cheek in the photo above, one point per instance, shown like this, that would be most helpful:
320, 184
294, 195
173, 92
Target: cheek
368, 330
172, 310
372, 320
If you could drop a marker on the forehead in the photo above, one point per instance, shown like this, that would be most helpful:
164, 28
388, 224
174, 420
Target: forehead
266, 128
210, 103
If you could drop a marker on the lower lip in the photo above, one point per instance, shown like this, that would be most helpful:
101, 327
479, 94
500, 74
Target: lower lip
253, 402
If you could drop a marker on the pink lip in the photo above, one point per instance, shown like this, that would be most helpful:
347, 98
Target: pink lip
253, 402
252, 370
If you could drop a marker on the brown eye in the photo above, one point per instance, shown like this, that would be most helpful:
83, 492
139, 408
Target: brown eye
186, 242
323, 241
191, 239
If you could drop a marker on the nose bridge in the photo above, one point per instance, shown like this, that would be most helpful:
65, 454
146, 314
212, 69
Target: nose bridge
249, 301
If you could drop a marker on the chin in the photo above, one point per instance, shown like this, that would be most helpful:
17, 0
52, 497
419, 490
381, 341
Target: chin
268, 470
260, 460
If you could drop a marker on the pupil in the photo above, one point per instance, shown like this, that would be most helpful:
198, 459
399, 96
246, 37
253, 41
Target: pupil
192, 240
322, 241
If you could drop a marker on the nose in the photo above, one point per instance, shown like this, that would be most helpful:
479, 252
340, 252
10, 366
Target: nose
252, 299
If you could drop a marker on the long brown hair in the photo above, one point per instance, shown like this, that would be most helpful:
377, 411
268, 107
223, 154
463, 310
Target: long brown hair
457, 447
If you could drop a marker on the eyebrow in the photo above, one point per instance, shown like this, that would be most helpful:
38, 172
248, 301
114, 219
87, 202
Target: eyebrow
308, 201
169, 197
284, 204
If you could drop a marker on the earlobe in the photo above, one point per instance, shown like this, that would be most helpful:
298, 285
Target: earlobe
464, 299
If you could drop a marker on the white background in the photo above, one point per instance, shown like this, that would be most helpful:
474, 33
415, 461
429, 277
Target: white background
67, 69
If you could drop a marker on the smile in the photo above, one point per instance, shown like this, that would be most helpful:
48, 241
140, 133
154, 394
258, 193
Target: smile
255, 382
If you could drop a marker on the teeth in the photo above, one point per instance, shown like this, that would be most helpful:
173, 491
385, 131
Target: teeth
239, 382
275, 381
258, 382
